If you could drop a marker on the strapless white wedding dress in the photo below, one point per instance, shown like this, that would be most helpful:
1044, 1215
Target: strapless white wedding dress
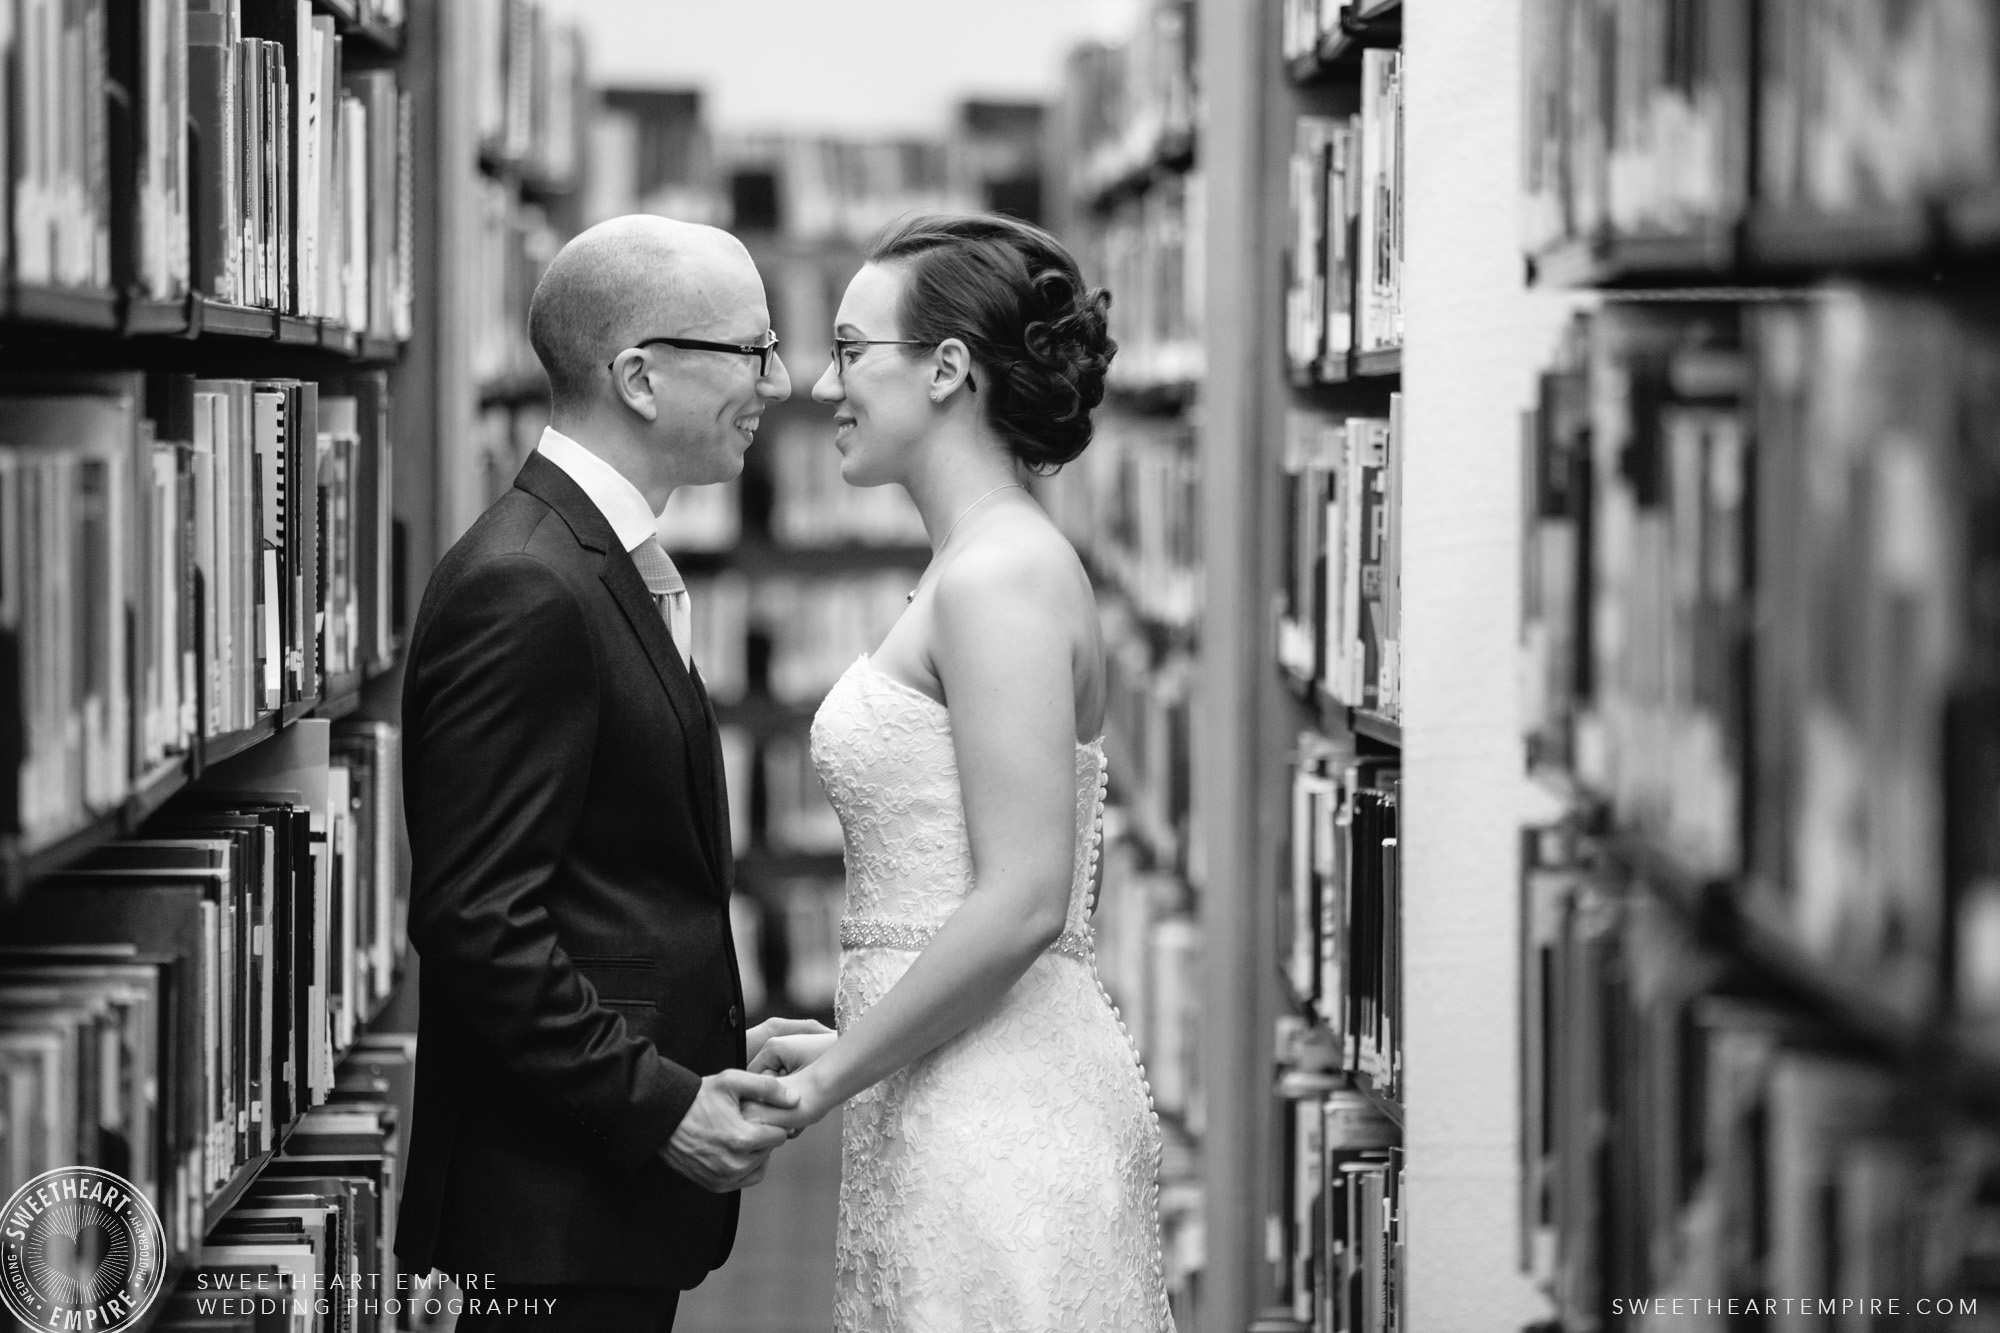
1008, 1182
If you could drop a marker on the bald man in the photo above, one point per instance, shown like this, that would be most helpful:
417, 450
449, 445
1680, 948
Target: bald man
579, 1135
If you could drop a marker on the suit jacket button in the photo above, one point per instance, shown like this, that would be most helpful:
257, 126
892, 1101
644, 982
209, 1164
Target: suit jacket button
735, 1017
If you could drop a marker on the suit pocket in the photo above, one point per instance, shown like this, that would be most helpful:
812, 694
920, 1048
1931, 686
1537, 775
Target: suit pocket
622, 980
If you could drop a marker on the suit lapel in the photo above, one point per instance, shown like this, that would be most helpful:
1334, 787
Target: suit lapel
550, 484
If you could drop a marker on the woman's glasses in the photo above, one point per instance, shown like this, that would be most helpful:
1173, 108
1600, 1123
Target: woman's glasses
841, 358
840, 346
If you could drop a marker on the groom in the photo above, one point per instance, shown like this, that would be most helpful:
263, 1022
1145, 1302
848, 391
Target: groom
579, 1134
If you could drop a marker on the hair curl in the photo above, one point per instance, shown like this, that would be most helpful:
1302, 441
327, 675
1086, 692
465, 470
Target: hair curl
1015, 297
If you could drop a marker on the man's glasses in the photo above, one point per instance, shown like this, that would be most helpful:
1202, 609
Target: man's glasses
762, 351
840, 346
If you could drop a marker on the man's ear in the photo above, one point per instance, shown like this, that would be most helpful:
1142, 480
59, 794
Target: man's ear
633, 385
954, 367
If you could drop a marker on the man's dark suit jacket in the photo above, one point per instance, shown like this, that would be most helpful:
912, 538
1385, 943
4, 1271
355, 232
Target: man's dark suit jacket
569, 835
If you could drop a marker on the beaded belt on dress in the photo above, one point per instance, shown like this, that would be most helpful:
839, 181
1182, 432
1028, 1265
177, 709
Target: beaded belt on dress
881, 932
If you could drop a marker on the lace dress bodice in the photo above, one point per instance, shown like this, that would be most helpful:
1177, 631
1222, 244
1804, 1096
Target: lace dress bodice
1009, 1179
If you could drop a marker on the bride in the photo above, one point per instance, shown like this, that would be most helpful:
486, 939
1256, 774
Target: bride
1000, 1157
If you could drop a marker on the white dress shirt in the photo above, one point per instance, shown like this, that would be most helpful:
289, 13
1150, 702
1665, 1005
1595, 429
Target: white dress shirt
632, 521
623, 507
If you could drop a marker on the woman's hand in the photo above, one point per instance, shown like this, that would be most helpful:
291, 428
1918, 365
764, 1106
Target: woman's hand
815, 1098
756, 1038
793, 1051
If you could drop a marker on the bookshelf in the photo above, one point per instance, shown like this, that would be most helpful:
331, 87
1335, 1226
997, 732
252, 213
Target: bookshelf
1805, 975
1129, 185
213, 508
1348, 745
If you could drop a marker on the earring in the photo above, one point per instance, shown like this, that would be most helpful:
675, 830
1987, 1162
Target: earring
937, 396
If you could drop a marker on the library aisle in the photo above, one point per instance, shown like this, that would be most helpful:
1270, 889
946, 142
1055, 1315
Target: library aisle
1544, 514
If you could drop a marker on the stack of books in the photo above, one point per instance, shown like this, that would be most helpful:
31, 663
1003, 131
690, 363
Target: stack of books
528, 97
298, 172
1643, 130
182, 557
1130, 106
178, 1000
1337, 1235
1340, 943
1681, 1133
310, 1245
1345, 289
1340, 623
1148, 252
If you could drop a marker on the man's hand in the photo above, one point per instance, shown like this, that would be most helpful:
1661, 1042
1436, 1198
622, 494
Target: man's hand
714, 1145
792, 1052
754, 1039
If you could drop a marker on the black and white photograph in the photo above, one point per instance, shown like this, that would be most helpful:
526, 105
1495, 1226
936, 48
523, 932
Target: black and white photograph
1064, 666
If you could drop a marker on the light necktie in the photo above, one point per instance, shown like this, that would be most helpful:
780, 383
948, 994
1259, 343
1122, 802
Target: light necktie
670, 594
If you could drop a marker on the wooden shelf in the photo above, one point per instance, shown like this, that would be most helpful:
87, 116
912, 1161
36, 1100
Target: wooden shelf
62, 307
1381, 1101
1924, 1049
153, 791
1383, 363
1382, 368
1173, 154
197, 317
530, 186
1335, 716
20, 868
1165, 398
1777, 245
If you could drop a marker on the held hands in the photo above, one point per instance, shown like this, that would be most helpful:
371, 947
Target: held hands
718, 1144
788, 1055
792, 1052
755, 1039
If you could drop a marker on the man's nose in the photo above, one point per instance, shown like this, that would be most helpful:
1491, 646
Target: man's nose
828, 388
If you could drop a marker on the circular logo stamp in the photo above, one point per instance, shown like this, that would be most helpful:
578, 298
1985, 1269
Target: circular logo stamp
80, 1248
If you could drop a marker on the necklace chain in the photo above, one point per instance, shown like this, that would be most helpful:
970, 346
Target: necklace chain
961, 518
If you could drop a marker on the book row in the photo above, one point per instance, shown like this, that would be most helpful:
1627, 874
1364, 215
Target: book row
1683, 1133
1127, 105
1645, 121
1148, 250
530, 101
1755, 546
1148, 737
1340, 934
310, 1245
1340, 618
1132, 504
172, 1004
1148, 951
1337, 1226
1344, 293
178, 558
215, 146
514, 244
788, 947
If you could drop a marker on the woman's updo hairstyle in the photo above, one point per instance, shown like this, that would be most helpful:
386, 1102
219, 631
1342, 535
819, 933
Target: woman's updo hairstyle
1014, 296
